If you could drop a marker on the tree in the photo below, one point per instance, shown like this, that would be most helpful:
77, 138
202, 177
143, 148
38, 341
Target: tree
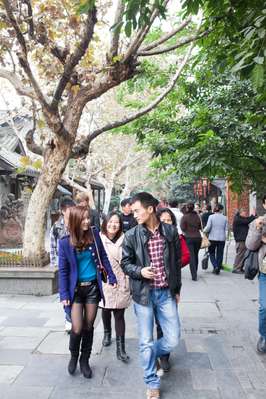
52, 53
221, 132
237, 37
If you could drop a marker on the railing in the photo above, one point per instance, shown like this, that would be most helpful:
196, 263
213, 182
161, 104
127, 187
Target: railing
15, 259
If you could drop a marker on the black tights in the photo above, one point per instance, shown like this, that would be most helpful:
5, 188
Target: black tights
119, 315
83, 316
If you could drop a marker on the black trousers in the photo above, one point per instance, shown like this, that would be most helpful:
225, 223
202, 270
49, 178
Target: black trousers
194, 245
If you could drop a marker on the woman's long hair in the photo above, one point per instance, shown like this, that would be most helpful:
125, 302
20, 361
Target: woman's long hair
79, 238
160, 211
106, 220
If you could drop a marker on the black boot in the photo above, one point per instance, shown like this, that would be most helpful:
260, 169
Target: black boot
120, 349
74, 344
86, 345
165, 365
107, 338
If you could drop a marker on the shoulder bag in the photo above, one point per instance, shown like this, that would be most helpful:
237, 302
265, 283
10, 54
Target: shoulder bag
251, 264
100, 266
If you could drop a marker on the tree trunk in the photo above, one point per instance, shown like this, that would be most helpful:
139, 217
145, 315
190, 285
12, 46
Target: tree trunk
107, 199
55, 161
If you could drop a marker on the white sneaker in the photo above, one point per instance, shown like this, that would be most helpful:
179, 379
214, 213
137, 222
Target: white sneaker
160, 371
68, 326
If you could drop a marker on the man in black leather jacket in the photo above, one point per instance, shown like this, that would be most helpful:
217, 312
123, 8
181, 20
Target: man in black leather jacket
151, 258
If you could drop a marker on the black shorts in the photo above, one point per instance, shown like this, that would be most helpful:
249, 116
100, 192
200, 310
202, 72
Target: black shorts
87, 294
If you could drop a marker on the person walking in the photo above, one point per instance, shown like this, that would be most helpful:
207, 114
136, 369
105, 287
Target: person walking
83, 199
81, 256
191, 225
166, 215
151, 257
116, 300
127, 216
206, 214
256, 241
58, 231
173, 204
216, 230
240, 229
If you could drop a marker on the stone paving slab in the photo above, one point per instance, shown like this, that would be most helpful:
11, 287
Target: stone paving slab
20, 343
14, 356
24, 321
216, 357
12, 392
8, 373
23, 332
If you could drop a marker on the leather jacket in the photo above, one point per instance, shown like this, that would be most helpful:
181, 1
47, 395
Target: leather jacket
135, 256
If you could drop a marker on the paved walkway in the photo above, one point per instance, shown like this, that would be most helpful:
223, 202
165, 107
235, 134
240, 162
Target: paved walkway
215, 359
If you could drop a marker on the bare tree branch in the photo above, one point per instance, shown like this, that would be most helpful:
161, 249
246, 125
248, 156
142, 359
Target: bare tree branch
181, 43
13, 21
117, 28
73, 184
23, 56
17, 84
76, 56
166, 37
141, 34
127, 164
30, 18
42, 37
32, 145
82, 148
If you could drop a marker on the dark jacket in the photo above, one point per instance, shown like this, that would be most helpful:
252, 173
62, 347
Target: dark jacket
204, 218
191, 225
128, 222
68, 268
240, 227
135, 256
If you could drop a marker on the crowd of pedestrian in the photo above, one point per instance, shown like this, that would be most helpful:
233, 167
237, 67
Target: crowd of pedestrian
137, 255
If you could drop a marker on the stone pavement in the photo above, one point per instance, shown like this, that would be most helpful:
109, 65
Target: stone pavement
215, 359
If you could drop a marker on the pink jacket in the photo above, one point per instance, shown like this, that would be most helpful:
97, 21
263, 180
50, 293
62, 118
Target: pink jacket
115, 298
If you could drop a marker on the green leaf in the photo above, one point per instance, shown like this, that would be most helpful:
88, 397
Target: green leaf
259, 60
84, 6
257, 76
128, 28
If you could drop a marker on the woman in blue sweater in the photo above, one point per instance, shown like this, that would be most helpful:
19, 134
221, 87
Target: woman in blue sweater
81, 256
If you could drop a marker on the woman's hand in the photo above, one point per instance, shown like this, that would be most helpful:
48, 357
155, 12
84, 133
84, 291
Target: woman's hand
113, 285
65, 302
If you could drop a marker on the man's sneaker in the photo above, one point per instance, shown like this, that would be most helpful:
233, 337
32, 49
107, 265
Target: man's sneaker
261, 345
68, 326
165, 365
153, 393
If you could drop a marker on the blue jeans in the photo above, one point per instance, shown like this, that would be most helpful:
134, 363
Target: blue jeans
216, 251
262, 305
164, 306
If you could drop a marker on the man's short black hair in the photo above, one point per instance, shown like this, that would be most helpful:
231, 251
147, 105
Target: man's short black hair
218, 208
66, 202
264, 199
146, 200
173, 203
125, 202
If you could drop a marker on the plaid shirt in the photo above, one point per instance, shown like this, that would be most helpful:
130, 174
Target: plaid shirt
155, 249
57, 232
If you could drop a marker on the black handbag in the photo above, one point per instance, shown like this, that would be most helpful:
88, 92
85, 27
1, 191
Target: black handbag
205, 261
251, 264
